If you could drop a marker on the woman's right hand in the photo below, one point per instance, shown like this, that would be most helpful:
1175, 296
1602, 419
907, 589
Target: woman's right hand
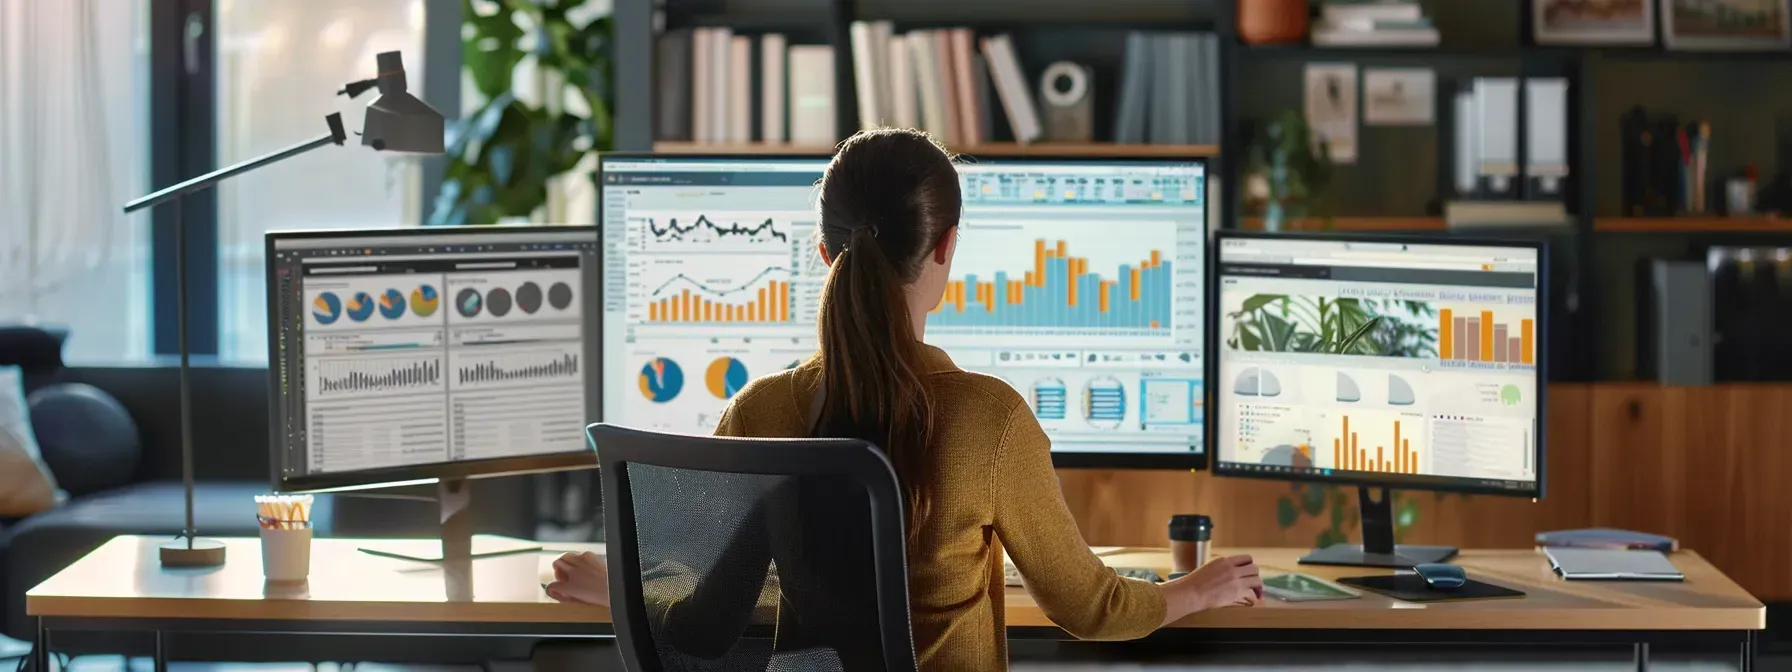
1224, 582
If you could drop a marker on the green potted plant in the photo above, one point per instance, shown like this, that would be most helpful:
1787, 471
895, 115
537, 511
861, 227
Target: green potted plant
503, 156
1288, 173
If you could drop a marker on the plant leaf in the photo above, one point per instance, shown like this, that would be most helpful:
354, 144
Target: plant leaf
1349, 343
1286, 513
1314, 500
1259, 301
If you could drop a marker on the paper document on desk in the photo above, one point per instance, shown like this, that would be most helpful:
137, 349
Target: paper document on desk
1612, 564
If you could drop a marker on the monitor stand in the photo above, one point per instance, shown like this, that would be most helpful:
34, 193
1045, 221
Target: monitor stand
458, 545
1377, 549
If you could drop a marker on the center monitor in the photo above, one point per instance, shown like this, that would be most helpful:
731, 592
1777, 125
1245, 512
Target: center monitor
1380, 362
1079, 282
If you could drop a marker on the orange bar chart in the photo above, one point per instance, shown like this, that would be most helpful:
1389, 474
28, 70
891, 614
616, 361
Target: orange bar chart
769, 304
1483, 339
1348, 455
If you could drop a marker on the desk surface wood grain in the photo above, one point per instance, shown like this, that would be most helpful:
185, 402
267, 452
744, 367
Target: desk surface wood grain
122, 579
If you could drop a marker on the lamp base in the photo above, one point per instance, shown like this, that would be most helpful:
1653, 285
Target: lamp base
188, 552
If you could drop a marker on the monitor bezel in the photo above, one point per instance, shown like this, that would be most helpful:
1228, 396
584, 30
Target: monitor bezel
409, 474
1085, 459
1540, 448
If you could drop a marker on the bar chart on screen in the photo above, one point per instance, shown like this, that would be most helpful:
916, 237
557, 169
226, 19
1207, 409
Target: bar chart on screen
1046, 278
1389, 446
763, 297
1499, 334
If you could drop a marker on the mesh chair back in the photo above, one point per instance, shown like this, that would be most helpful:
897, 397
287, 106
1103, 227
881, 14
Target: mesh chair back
753, 554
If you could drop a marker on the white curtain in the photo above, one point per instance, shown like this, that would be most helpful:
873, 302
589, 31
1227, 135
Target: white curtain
71, 117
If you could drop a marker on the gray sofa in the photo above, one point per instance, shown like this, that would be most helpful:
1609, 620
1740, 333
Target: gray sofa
230, 465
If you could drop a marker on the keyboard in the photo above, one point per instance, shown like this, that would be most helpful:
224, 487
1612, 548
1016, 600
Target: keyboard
1011, 574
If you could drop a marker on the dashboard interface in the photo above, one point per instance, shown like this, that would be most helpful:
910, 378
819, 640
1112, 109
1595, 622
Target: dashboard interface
1410, 364
1080, 283
428, 348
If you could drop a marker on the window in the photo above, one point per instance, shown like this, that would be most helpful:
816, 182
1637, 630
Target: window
279, 66
73, 146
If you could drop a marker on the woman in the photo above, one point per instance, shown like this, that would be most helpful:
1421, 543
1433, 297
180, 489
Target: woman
973, 460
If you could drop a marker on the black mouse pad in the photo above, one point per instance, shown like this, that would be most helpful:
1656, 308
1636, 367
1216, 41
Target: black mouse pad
1412, 588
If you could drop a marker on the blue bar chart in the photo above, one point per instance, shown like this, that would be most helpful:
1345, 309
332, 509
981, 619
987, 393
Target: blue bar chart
1060, 294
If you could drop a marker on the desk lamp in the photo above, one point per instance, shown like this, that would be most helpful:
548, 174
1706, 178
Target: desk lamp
396, 121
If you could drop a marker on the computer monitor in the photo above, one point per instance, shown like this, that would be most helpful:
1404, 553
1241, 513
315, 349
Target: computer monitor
437, 354
1379, 362
1078, 281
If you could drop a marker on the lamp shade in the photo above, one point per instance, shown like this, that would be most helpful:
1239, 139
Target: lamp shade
396, 120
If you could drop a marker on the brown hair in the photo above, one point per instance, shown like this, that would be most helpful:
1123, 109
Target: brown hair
886, 199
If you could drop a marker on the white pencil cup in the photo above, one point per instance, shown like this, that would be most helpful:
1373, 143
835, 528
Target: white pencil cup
286, 554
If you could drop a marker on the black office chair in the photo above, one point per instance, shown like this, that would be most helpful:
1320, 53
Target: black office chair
754, 554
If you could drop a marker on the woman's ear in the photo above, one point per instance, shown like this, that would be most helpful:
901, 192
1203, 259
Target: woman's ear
822, 249
942, 250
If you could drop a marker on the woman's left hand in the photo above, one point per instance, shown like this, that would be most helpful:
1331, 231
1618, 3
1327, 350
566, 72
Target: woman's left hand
581, 578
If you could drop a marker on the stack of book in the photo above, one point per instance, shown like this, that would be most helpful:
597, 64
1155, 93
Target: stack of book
717, 87
1170, 90
1374, 23
944, 81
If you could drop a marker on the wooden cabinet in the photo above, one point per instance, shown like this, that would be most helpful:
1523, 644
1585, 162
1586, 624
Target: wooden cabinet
1711, 466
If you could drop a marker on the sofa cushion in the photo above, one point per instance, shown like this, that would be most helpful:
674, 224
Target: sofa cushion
87, 439
35, 549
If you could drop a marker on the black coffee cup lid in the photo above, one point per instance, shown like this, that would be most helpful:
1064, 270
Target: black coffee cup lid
1190, 527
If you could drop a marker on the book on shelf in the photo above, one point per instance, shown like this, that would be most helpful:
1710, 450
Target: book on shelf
1374, 23
811, 107
672, 83
718, 87
942, 80
1169, 89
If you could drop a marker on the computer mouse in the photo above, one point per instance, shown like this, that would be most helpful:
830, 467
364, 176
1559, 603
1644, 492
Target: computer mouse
1440, 576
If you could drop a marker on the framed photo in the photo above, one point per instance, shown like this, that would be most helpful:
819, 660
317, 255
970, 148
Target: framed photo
1727, 24
1593, 21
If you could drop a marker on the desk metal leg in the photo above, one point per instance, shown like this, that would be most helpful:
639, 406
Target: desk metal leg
1749, 643
40, 648
1640, 653
161, 659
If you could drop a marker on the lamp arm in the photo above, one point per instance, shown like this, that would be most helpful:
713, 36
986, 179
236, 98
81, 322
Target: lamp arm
336, 136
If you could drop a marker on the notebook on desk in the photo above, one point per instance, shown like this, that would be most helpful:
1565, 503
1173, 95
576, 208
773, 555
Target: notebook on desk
1605, 564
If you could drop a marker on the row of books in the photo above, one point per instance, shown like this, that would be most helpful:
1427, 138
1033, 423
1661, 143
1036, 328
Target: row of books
1170, 89
944, 81
717, 87
714, 86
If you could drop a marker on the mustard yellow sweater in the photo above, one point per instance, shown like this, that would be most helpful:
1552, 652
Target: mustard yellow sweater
993, 487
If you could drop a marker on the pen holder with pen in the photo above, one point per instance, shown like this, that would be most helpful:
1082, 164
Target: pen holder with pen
285, 537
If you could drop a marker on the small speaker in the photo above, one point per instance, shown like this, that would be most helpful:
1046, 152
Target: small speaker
1067, 91
1675, 323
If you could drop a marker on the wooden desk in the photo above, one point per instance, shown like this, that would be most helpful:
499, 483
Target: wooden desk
1707, 600
121, 586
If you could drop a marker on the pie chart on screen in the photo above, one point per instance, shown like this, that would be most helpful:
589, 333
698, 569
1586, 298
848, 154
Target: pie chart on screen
725, 377
326, 308
661, 380
424, 301
468, 302
392, 304
360, 307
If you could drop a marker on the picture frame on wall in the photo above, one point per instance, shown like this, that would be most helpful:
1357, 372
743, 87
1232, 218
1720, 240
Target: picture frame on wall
1568, 22
1727, 24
